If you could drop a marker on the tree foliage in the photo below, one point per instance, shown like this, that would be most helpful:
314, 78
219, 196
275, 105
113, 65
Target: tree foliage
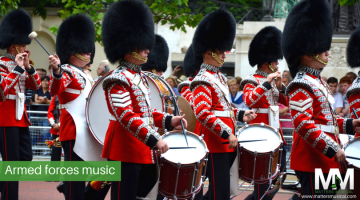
347, 2
177, 13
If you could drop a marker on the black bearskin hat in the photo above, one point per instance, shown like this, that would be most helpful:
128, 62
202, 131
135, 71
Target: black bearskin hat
308, 30
353, 49
15, 28
76, 35
192, 62
265, 47
215, 31
158, 56
127, 25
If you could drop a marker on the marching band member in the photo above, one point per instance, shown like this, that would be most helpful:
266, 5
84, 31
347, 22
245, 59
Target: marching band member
53, 117
306, 40
15, 74
158, 57
214, 35
128, 34
353, 60
75, 48
262, 92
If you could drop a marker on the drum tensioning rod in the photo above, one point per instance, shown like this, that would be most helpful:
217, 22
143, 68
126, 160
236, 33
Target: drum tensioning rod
354, 111
244, 141
177, 148
182, 124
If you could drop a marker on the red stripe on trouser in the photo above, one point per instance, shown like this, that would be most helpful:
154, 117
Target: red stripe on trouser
212, 163
312, 192
7, 186
70, 181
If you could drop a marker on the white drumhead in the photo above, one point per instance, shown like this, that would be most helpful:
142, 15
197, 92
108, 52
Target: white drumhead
97, 113
184, 156
353, 149
155, 100
257, 132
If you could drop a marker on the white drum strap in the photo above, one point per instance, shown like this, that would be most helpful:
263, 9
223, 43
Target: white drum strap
220, 85
321, 87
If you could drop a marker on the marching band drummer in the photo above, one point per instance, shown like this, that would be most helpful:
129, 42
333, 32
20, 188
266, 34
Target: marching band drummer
15, 74
128, 34
264, 89
75, 48
306, 40
353, 60
214, 35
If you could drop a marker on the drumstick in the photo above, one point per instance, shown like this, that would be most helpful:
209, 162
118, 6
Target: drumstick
353, 157
182, 125
153, 148
355, 113
243, 141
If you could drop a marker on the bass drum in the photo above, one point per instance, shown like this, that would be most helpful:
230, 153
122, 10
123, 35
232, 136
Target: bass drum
352, 149
96, 112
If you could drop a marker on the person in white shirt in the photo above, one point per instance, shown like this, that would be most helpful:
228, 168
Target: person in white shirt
102, 69
345, 83
338, 105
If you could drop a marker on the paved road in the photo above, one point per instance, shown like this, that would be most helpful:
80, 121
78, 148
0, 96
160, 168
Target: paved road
47, 191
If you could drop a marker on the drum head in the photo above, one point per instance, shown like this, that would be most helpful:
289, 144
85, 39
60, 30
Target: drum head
184, 156
353, 150
97, 113
156, 101
257, 132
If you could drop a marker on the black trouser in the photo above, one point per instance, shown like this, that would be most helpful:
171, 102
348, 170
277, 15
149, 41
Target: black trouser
15, 145
92, 194
307, 181
137, 180
259, 190
218, 171
73, 189
55, 151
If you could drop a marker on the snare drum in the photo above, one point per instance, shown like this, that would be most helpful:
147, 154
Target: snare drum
353, 149
182, 171
259, 161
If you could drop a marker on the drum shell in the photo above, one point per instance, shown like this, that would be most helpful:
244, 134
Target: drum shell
168, 176
246, 165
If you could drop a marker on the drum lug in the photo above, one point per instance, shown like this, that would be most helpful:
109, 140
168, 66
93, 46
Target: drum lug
201, 137
166, 132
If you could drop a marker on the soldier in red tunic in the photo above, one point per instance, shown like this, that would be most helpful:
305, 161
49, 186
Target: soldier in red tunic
16, 74
53, 117
262, 91
75, 48
214, 35
353, 60
306, 40
128, 34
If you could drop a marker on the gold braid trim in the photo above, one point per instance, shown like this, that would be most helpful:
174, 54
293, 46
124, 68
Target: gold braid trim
137, 56
216, 58
317, 57
82, 57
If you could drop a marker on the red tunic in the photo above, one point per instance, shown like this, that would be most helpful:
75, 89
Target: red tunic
60, 85
50, 116
208, 98
313, 148
258, 93
13, 80
353, 97
129, 138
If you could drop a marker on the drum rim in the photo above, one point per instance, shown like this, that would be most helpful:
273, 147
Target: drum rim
171, 195
259, 124
346, 145
158, 89
87, 108
152, 75
194, 134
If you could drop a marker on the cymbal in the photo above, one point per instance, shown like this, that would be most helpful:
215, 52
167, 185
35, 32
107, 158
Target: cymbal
186, 109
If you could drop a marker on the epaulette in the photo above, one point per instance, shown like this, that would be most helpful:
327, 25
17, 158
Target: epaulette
200, 78
354, 88
68, 70
249, 79
187, 82
300, 80
116, 76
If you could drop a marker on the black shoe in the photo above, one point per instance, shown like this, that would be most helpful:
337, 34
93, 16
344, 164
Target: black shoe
61, 187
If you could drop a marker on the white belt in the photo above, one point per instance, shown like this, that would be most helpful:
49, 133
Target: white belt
218, 113
73, 91
327, 128
146, 120
62, 106
261, 110
11, 96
